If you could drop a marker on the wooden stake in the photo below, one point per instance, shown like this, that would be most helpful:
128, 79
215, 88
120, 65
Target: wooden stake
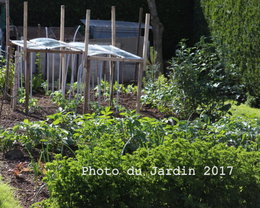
143, 65
111, 64
7, 23
39, 31
111, 79
113, 25
63, 63
86, 65
26, 57
16, 81
7, 48
31, 72
53, 70
138, 38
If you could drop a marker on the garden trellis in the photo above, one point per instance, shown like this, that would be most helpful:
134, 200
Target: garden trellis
90, 52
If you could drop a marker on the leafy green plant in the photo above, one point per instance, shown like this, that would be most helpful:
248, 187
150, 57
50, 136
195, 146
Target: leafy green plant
3, 81
153, 68
105, 89
37, 82
64, 103
33, 102
197, 84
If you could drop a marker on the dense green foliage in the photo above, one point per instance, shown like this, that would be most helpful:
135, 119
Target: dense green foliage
197, 84
237, 189
193, 145
7, 197
102, 141
235, 27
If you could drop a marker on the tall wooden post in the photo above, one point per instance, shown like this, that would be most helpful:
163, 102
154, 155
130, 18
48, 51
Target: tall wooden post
39, 31
7, 48
7, 13
26, 57
111, 64
63, 64
142, 66
86, 65
113, 25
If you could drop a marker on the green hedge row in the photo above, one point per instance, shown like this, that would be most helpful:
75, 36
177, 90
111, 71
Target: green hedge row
235, 26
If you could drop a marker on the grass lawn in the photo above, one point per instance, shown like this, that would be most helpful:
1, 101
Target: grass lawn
6, 197
245, 111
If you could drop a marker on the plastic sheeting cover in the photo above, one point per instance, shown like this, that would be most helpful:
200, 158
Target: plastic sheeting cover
41, 43
93, 50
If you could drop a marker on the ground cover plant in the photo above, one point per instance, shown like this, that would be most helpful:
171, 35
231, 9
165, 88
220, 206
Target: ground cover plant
7, 196
244, 110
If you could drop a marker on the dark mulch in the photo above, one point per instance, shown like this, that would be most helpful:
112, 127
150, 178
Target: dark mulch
29, 188
9, 117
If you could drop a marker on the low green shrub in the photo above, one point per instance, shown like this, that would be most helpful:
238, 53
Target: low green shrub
223, 177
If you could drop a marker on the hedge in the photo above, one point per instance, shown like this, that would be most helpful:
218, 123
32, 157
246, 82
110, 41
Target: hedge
235, 26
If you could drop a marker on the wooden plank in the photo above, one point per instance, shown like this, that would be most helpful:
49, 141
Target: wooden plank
26, 57
143, 65
86, 65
